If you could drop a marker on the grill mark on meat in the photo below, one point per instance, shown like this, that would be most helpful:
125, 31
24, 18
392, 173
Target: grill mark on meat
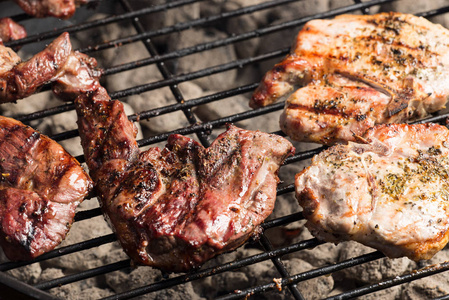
17, 137
330, 107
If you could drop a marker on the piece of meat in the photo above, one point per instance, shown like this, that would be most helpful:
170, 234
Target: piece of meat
79, 74
62, 9
389, 192
8, 60
346, 74
24, 78
10, 30
175, 208
57, 62
40, 187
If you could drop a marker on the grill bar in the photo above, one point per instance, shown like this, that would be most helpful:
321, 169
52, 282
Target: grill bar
14, 289
428, 271
266, 244
306, 275
165, 73
95, 242
83, 275
97, 23
205, 47
216, 270
184, 26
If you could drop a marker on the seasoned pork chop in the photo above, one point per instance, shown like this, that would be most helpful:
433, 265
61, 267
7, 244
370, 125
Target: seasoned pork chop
390, 193
177, 207
356, 71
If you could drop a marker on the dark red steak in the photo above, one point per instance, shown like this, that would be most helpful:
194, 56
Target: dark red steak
40, 187
177, 207
10, 30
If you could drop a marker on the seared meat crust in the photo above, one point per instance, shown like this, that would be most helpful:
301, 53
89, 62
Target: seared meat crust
177, 207
40, 187
390, 193
10, 30
74, 71
62, 9
356, 71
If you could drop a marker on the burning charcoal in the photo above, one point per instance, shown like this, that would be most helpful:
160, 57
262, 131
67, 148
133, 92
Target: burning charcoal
373, 271
213, 57
427, 288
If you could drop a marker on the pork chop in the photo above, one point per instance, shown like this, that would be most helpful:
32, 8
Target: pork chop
390, 192
356, 71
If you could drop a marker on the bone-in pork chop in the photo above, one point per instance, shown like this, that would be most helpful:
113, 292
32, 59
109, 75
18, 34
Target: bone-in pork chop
356, 71
62, 9
390, 192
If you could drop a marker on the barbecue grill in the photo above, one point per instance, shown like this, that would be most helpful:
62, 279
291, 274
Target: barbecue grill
170, 77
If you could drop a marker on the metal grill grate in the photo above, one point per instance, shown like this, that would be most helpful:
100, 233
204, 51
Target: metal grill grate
13, 288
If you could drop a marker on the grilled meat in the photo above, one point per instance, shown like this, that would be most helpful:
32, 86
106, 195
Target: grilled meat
178, 207
356, 71
62, 9
22, 79
8, 59
10, 30
77, 75
41, 185
56, 62
390, 192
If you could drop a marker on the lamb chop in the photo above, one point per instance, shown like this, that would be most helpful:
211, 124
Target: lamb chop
356, 71
62, 9
40, 187
10, 30
389, 191
175, 208
178, 207
22, 79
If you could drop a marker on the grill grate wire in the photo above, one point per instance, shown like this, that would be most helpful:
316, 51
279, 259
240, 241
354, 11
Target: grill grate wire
202, 131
